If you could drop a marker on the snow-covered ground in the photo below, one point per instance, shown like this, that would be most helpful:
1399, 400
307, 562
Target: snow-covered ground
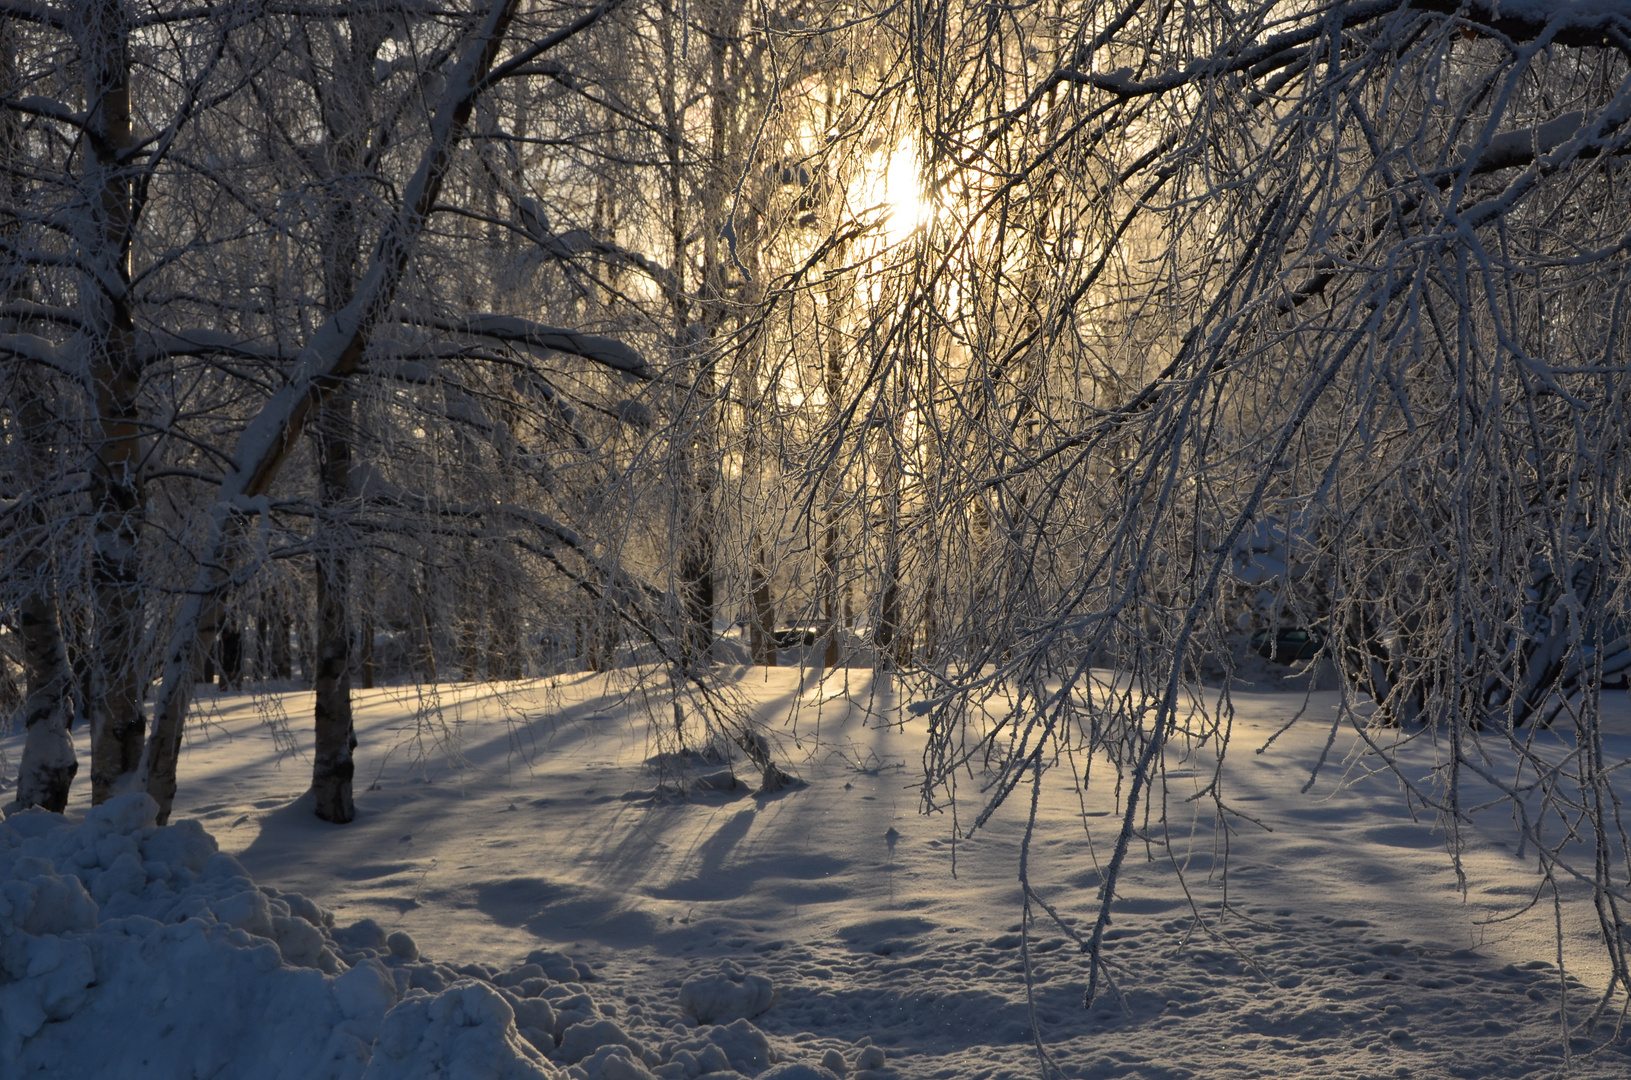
525, 891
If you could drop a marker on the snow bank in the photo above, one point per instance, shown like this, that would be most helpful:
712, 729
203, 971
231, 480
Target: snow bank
130, 950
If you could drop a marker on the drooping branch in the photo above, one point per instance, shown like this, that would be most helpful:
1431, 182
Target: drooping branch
512, 330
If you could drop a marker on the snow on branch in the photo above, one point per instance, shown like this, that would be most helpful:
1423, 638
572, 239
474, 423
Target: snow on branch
49, 108
40, 350
33, 311
201, 341
511, 330
1579, 23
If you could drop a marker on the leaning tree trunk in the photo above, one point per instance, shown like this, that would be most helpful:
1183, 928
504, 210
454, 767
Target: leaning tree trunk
332, 353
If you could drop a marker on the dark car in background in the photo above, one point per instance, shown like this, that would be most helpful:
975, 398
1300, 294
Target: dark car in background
790, 637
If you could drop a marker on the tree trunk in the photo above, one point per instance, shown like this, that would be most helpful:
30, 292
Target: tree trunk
46, 772
336, 739
118, 682
348, 119
49, 763
367, 665
931, 620
762, 626
836, 287
424, 665
694, 519
697, 578
890, 639
11, 696
232, 657
305, 647
699, 574
503, 654
282, 657
467, 625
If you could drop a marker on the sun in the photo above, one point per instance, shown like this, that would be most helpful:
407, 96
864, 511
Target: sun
899, 192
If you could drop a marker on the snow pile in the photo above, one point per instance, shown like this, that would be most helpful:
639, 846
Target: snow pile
467, 1030
731, 995
130, 950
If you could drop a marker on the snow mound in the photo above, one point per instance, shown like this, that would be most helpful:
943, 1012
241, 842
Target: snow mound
733, 994
614, 1062
735, 1047
584, 1038
130, 951
798, 1070
466, 1031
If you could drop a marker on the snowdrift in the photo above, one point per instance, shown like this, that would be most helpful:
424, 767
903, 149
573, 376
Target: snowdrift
129, 950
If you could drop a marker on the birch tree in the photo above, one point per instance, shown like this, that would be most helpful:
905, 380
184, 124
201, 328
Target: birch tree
48, 707
80, 195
